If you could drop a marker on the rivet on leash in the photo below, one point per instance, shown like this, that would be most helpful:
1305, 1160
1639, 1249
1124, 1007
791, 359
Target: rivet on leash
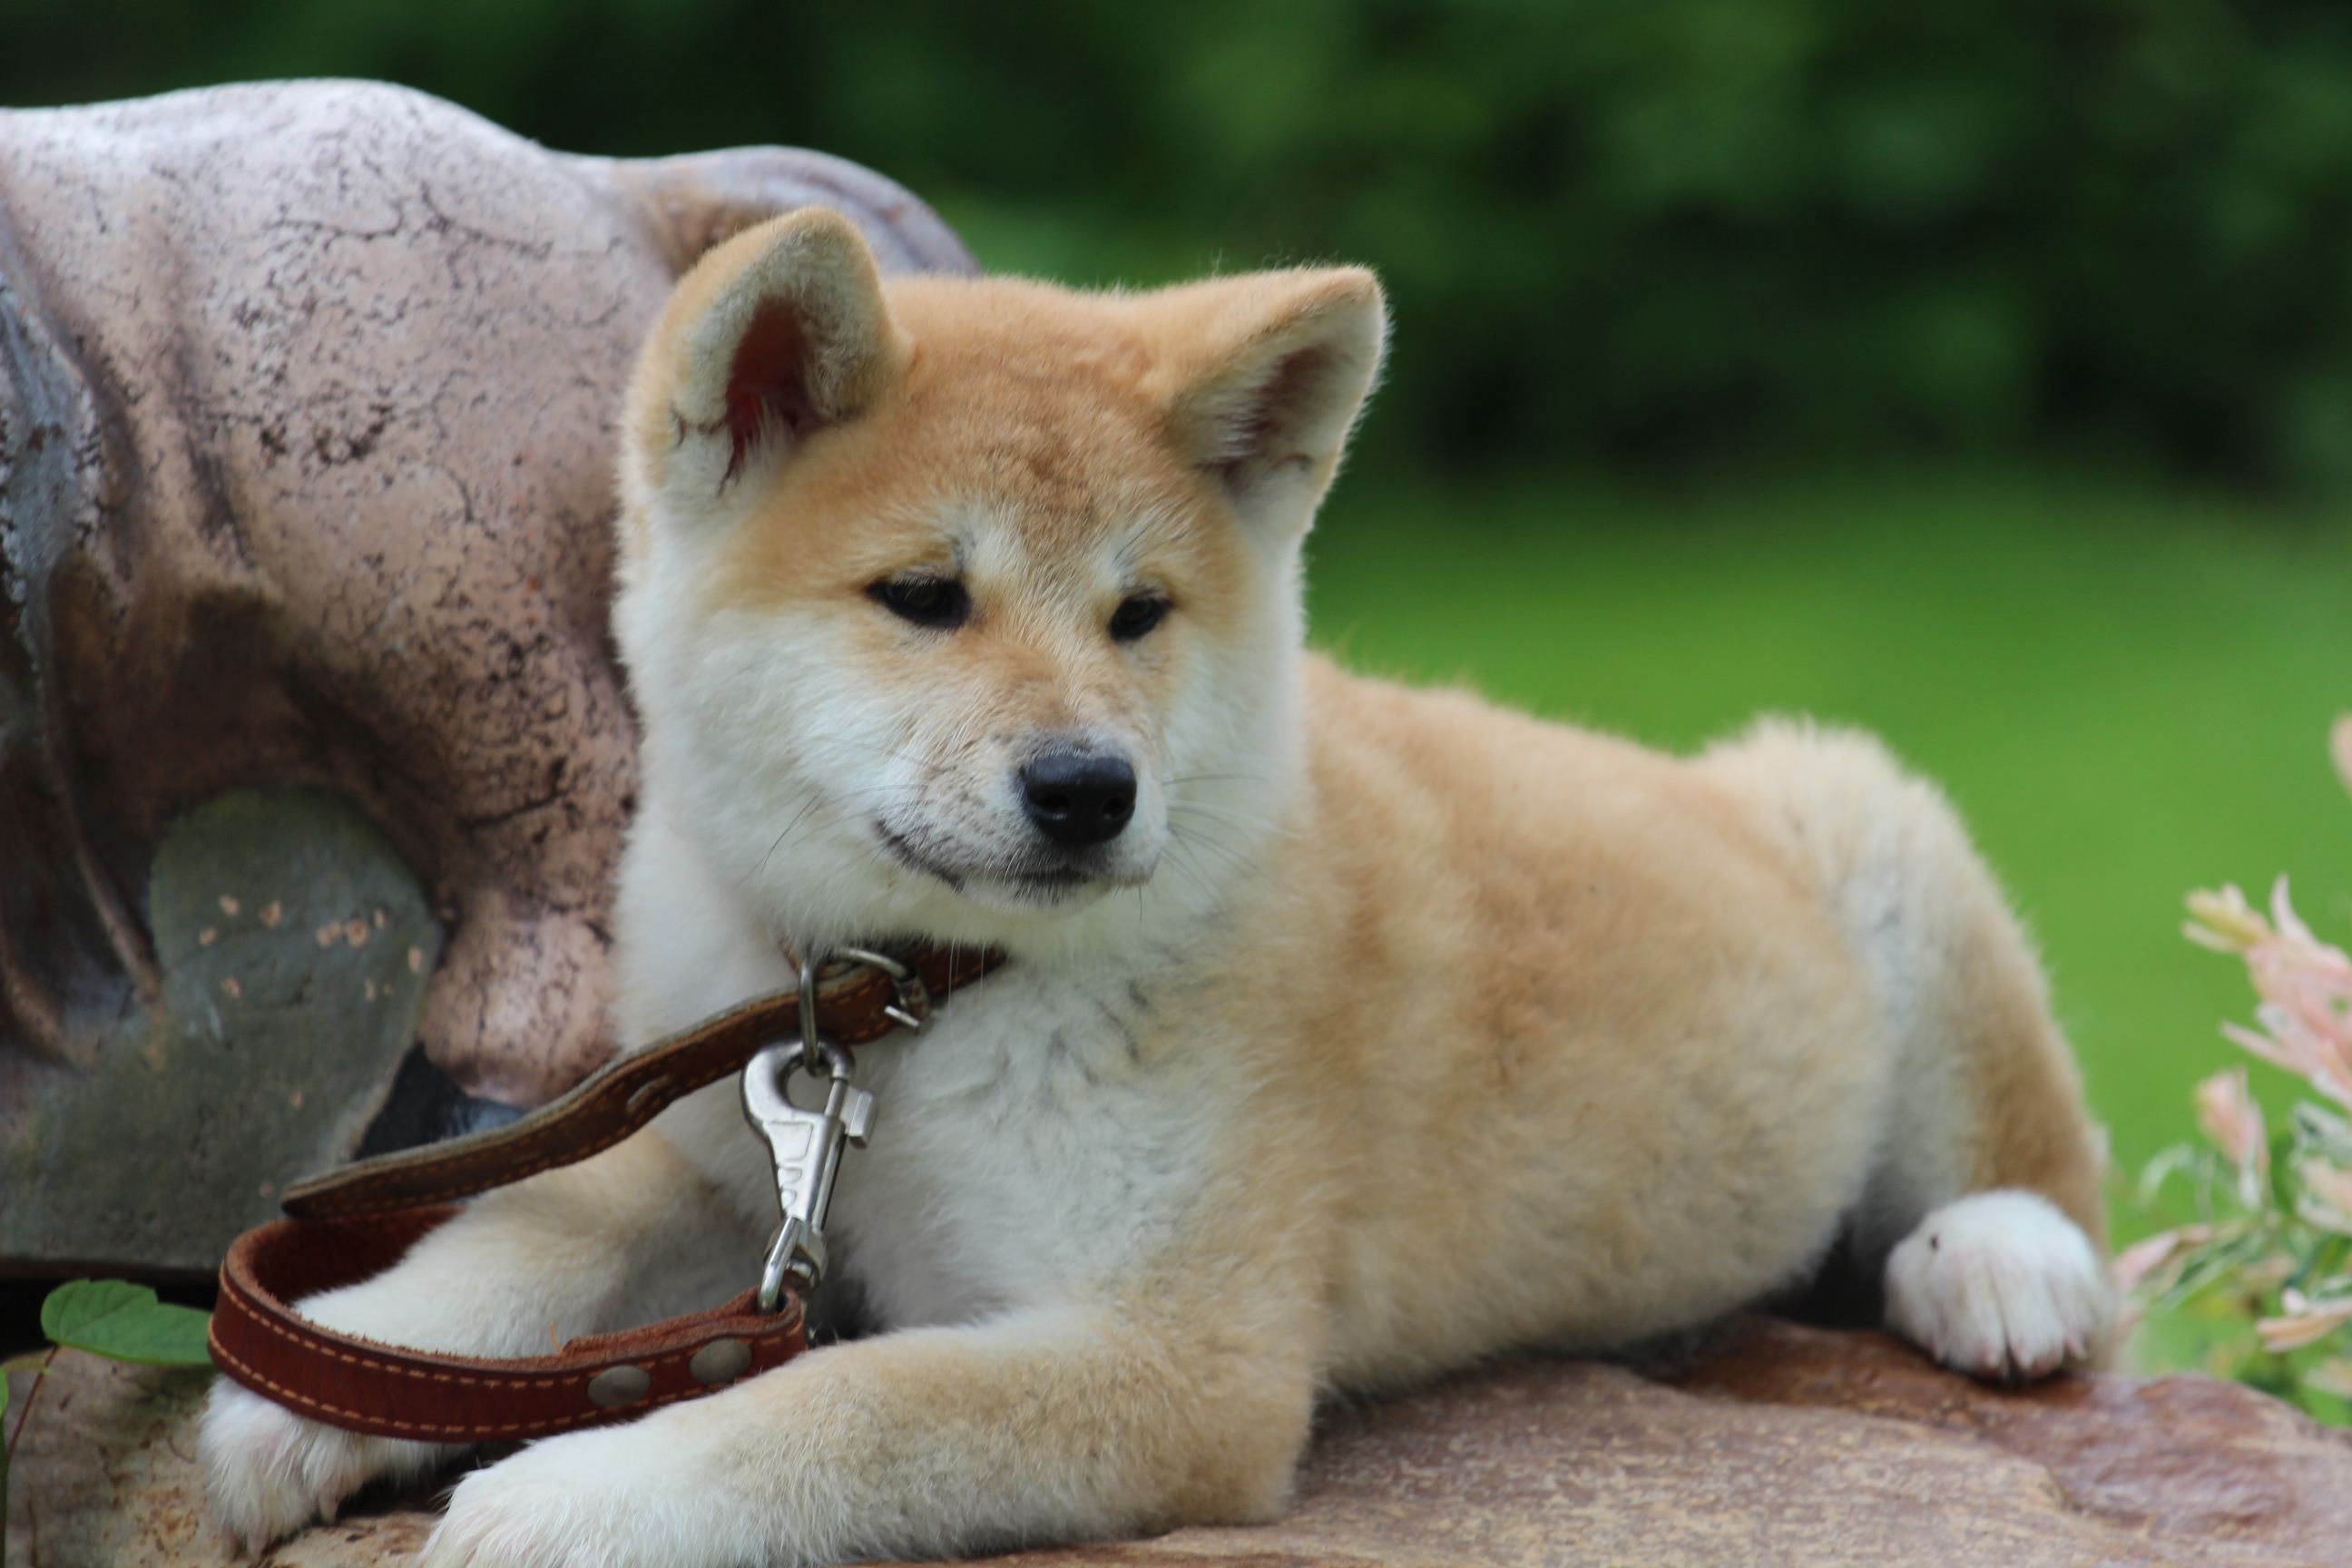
720, 1360
618, 1385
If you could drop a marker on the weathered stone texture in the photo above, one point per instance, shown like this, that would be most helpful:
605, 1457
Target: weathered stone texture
293, 949
1781, 1445
306, 401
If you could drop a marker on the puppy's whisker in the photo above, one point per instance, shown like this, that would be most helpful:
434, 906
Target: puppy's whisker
1232, 860
846, 807
1240, 819
896, 754
1182, 863
781, 833
1216, 778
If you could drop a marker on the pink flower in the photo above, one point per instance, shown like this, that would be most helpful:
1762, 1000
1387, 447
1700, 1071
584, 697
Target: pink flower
2223, 920
2305, 987
2136, 1262
2233, 1123
2302, 1323
2326, 1199
2333, 1376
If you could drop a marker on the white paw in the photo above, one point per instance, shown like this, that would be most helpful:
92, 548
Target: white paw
594, 1499
2000, 1285
268, 1472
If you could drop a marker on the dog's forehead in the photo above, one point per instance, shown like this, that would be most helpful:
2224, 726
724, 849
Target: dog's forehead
1055, 444
1025, 447
993, 537
1015, 471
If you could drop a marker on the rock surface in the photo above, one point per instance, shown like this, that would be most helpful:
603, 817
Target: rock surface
1778, 1444
306, 393
293, 948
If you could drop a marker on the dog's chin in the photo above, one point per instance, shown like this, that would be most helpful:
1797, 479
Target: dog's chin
1020, 889
1051, 891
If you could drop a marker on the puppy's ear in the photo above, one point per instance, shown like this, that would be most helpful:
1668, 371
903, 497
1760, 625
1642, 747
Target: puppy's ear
772, 338
1262, 378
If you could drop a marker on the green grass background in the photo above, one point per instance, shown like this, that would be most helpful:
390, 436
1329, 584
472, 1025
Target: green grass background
2125, 690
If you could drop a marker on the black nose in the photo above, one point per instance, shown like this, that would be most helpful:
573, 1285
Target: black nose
1077, 799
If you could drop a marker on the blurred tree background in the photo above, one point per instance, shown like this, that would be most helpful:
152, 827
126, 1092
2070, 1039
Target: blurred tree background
1640, 232
1981, 374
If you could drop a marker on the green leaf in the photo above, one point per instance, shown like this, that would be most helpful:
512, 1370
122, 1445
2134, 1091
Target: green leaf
122, 1321
2201, 1268
2322, 1132
2324, 1257
2171, 1162
2282, 1166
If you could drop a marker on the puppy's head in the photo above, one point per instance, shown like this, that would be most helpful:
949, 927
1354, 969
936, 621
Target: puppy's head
951, 606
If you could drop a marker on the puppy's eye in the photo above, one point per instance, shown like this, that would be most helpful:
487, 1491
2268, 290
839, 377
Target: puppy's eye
938, 602
1137, 614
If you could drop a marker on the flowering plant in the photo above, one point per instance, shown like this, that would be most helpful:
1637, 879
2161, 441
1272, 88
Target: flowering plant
2273, 1210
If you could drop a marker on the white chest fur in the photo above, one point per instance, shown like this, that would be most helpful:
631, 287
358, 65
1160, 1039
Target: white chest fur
1045, 1134
1029, 1145
1032, 1143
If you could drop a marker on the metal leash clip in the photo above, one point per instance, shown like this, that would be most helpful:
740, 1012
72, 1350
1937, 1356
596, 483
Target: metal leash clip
804, 1145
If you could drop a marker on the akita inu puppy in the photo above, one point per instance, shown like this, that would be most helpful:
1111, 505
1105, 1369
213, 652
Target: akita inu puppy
1348, 1033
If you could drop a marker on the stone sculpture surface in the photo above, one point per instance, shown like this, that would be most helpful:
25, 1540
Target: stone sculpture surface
306, 396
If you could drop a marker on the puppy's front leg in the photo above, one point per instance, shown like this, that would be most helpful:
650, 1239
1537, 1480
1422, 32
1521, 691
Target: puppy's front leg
1046, 1425
563, 1254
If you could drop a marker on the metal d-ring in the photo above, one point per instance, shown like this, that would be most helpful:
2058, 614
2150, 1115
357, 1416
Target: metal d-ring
910, 1000
809, 967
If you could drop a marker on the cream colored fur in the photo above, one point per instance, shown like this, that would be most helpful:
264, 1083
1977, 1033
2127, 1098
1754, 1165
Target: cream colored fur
1394, 1031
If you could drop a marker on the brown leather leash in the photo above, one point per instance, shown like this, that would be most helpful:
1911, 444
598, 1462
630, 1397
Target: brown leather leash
352, 1224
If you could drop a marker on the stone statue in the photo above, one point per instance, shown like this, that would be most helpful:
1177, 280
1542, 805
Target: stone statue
312, 741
